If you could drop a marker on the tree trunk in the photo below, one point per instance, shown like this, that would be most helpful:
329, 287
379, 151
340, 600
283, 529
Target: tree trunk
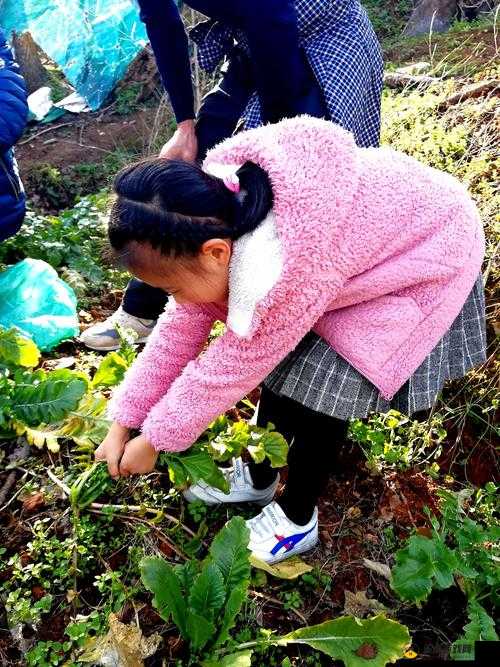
28, 57
435, 15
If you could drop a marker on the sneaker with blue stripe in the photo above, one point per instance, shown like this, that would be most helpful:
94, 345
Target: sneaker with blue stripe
273, 537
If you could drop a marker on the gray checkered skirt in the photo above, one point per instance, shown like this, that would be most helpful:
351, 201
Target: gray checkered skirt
319, 378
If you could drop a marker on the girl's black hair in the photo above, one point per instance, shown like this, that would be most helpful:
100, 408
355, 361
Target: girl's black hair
175, 206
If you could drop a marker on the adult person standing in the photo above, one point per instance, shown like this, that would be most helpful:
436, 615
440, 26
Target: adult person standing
13, 118
282, 58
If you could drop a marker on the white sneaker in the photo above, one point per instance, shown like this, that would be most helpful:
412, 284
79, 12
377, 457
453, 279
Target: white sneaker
104, 337
273, 537
241, 488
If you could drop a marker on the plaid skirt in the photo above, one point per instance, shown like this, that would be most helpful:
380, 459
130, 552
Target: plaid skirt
316, 376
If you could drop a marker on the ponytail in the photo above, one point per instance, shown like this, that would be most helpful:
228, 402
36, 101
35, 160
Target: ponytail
175, 206
258, 196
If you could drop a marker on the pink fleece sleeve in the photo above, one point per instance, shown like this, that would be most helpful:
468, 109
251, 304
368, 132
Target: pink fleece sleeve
179, 337
232, 366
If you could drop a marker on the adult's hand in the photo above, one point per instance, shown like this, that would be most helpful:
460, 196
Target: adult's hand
183, 145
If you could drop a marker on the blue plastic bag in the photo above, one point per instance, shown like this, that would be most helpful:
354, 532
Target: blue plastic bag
34, 299
93, 41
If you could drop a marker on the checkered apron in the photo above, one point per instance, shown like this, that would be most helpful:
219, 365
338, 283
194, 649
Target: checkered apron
343, 53
345, 57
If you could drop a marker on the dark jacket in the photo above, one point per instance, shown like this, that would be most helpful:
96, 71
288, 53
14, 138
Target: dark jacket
282, 75
13, 117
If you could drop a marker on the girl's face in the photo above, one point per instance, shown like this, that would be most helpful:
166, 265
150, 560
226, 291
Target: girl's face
200, 279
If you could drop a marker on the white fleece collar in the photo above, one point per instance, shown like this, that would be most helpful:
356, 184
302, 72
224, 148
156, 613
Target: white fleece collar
255, 267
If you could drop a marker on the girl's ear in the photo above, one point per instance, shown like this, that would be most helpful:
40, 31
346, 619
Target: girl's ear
218, 251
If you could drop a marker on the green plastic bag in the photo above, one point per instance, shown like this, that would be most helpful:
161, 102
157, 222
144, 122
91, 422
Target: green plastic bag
34, 299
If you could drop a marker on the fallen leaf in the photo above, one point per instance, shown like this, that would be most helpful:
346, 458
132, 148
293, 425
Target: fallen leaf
33, 502
386, 514
288, 569
425, 531
380, 568
357, 604
410, 655
326, 538
38, 592
166, 549
25, 558
123, 646
354, 512
58, 364
71, 595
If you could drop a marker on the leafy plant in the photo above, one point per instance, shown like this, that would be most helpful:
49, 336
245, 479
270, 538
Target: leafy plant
222, 441
37, 576
112, 368
197, 510
393, 440
17, 350
481, 627
90, 485
86, 427
192, 466
47, 654
459, 551
111, 371
225, 439
46, 406
356, 642
316, 579
388, 19
126, 99
291, 599
53, 653
113, 590
204, 599
46, 398
33, 398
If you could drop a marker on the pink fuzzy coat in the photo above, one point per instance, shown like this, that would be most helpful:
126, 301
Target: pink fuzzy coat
372, 250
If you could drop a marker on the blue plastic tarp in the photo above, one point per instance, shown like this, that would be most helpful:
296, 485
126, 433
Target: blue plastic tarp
93, 41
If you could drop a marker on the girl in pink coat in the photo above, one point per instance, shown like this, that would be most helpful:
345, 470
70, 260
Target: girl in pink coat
290, 229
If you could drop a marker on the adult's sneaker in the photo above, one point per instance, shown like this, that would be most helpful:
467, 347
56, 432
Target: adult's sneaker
241, 488
103, 336
273, 537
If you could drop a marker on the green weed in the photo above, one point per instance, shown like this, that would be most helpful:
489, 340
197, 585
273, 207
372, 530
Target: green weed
460, 551
394, 441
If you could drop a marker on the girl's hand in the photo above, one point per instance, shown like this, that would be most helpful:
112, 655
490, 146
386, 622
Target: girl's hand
183, 145
111, 448
139, 457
